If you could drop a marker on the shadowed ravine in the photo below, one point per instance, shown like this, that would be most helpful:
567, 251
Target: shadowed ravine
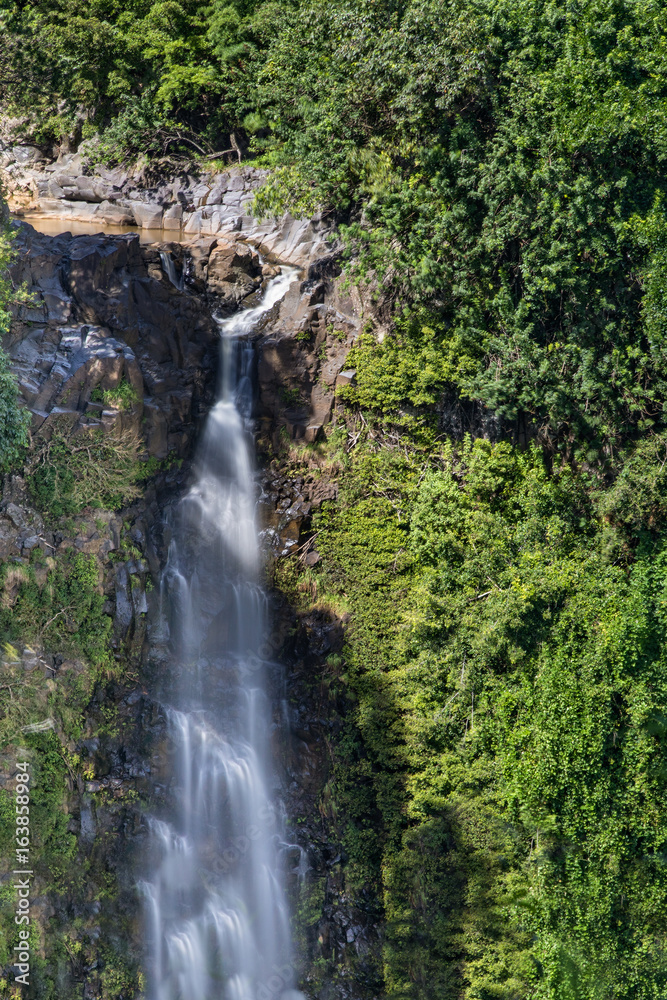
218, 922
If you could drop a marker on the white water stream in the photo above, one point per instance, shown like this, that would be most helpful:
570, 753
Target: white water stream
169, 268
217, 916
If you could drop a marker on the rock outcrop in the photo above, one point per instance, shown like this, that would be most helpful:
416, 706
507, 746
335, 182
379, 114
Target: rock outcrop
233, 271
107, 310
302, 353
102, 313
181, 204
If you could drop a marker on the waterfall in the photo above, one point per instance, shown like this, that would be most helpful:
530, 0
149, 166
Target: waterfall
169, 268
216, 913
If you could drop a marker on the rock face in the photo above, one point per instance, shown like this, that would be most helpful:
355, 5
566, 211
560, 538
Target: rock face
233, 271
106, 312
153, 197
101, 314
302, 354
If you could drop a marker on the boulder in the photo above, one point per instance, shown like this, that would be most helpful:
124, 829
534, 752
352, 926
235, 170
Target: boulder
234, 271
218, 190
80, 211
114, 215
26, 154
52, 189
200, 195
346, 378
147, 216
172, 218
86, 190
193, 222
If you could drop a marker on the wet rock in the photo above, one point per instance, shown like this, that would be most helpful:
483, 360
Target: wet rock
88, 824
197, 258
124, 610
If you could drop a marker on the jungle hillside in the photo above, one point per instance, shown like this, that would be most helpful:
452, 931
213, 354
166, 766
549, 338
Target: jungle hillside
496, 174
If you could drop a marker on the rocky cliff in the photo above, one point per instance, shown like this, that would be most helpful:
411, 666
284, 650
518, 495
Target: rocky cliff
182, 202
116, 359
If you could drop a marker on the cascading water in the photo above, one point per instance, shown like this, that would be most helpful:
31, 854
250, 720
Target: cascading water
217, 913
169, 268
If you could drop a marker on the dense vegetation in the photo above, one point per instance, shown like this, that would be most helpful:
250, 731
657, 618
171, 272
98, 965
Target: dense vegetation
505, 673
13, 421
497, 171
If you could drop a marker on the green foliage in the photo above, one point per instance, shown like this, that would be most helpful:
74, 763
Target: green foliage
151, 77
504, 769
499, 172
412, 368
292, 397
100, 470
118, 979
140, 128
122, 397
501, 165
58, 606
14, 421
637, 498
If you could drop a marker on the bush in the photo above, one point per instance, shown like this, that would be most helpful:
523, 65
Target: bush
95, 469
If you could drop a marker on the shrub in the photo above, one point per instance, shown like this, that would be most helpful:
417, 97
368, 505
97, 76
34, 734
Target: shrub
87, 470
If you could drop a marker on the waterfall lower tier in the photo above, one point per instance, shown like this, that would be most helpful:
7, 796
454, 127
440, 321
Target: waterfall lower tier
218, 921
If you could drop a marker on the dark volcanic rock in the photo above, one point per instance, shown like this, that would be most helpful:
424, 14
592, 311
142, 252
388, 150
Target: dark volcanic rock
234, 271
100, 312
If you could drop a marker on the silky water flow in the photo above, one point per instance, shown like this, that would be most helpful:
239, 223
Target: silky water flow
217, 916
